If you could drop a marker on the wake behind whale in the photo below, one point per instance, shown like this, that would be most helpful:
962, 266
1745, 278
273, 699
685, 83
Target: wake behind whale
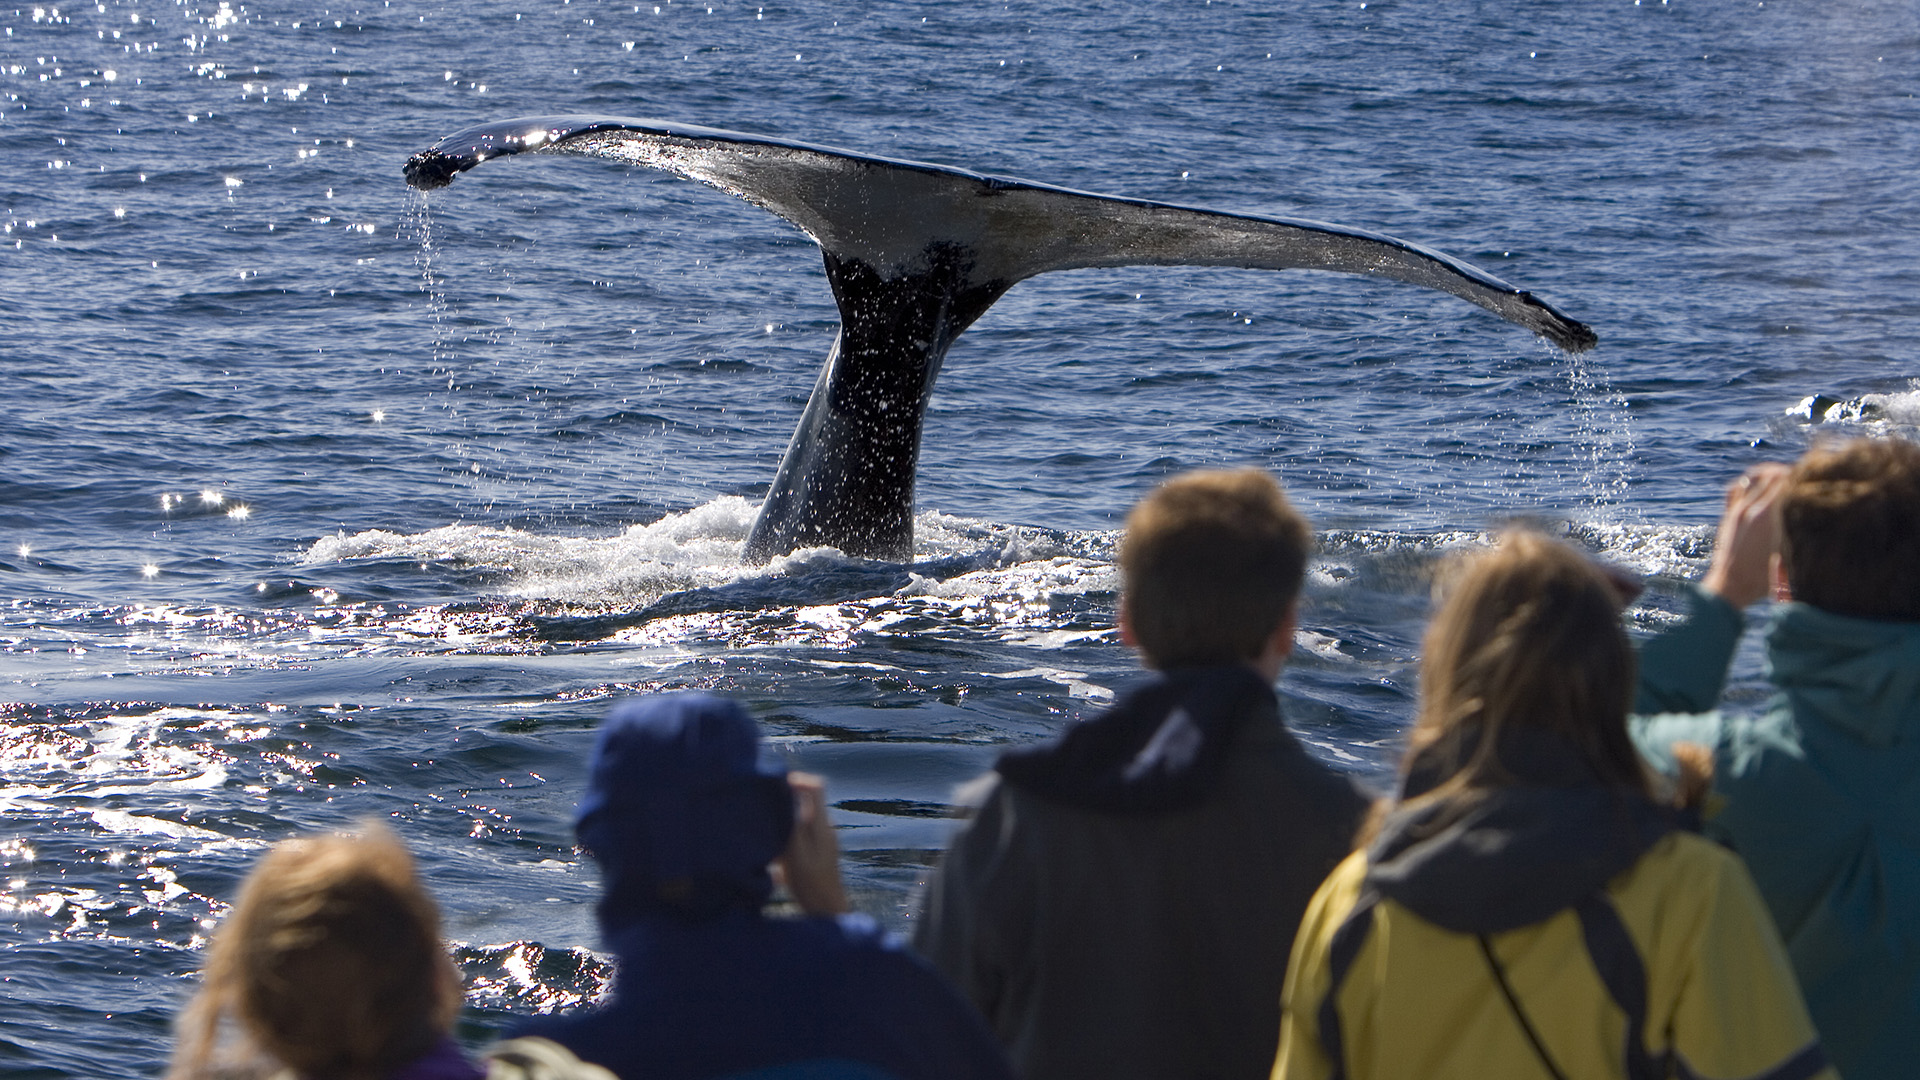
915, 253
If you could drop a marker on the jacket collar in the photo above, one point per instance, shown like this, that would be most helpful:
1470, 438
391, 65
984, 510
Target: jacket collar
1161, 748
1507, 857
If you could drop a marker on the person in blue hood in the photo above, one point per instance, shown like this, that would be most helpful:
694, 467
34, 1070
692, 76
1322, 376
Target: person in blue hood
685, 820
1820, 794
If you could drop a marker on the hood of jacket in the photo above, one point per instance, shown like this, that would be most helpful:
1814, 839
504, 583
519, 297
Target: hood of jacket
1859, 675
1160, 748
680, 813
1502, 858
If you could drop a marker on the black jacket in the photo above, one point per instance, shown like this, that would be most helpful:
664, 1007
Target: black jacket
1123, 902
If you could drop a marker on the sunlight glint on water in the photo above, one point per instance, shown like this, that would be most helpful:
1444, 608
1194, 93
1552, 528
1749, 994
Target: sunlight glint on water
476, 469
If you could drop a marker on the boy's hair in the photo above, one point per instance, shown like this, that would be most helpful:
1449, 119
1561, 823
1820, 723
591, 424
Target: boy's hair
1850, 529
331, 961
1212, 563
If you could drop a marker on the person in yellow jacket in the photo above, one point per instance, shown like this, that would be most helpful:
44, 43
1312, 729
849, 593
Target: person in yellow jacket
1529, 908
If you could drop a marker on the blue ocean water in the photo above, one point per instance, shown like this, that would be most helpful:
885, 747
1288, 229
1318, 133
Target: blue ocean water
322, 500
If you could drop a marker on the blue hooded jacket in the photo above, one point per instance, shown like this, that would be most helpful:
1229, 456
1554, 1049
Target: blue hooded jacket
683, 819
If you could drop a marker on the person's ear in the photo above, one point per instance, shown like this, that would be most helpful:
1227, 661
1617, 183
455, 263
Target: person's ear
1279, 644
1126, 626
1282, 640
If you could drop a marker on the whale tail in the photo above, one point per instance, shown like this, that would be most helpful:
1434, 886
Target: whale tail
915, 253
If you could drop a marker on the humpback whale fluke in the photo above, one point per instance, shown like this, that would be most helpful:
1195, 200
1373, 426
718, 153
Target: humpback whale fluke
914, 254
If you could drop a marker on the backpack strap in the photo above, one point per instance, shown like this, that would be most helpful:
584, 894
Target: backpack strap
1341, 953
1624, 975
1519, 1014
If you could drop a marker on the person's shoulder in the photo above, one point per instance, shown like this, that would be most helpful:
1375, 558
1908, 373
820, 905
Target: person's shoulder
533, 1058
1335, 900
1344, 883
853, 940
851, 932
1295, 768
983, 802
1664, 896
1682, 867
1006, 811
971, 796
1685, 852
852, 952
879, 966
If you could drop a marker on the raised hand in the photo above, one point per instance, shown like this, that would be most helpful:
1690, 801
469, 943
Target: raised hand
810, 865
1749, 536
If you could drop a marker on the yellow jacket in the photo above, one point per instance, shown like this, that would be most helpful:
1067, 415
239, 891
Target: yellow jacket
1718, 997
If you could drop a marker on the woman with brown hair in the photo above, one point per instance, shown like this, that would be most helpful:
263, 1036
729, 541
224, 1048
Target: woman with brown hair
1531, 907
332, 968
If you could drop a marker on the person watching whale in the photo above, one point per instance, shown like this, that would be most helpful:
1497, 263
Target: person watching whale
685, 819
1122, 902
330, 966
1534, 905
1820, 793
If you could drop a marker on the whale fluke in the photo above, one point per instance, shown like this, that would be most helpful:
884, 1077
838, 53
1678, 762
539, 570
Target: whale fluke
914, 254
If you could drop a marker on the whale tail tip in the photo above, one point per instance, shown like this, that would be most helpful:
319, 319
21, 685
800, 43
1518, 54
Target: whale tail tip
1570, 335
1575, 337
430, 169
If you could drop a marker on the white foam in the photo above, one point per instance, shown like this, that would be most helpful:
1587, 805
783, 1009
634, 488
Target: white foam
680, 551
126, 823
1017, 596
1875, 413
1332, 749
68, 769
1029, 582
852, 665
1060, 639
1322, 645
1658, 550
1679, 551
701, 548
1075, 681
1901, 409
1338, 542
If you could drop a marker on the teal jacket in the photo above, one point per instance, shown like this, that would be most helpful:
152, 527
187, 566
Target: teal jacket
1821, 796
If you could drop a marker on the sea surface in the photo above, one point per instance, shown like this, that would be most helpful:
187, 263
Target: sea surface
324, 501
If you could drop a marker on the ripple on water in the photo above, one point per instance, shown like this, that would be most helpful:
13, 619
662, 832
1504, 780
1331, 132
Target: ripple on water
560, 350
